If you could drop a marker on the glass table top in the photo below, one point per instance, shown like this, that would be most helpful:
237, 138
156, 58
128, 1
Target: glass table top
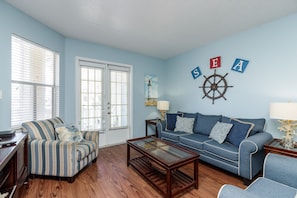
161, 150
277, 144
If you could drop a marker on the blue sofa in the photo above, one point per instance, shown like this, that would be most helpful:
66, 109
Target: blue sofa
241, 154
279, 180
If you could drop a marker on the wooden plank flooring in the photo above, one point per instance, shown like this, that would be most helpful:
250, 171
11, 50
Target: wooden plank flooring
110, 177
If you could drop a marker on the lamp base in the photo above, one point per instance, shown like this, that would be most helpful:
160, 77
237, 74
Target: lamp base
288, 143
163, 112
288, 126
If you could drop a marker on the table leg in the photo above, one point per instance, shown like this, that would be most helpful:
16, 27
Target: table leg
169, 182
146, 128
196, 173
128, 154
156, 130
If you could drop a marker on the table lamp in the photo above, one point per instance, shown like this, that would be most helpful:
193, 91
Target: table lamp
163, 106
286, 113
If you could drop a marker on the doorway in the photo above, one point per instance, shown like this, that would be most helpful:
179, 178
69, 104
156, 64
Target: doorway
105, 100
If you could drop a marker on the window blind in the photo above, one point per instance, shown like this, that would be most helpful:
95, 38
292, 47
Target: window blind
34, 82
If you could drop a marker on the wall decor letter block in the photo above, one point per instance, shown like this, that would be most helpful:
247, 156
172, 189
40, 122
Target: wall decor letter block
196, 72
239, 65
215, 62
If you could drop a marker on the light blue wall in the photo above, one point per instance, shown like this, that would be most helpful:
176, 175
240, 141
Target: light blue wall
269, 77
14, 22
142, 65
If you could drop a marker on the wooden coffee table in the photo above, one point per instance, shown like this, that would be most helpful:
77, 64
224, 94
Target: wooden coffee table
159, 164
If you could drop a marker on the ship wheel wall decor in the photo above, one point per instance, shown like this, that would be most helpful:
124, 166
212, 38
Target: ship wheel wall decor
215, 86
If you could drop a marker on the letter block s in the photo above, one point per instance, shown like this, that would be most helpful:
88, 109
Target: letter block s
196, 72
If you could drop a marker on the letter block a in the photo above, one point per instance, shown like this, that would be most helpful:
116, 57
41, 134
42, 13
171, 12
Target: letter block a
239, 65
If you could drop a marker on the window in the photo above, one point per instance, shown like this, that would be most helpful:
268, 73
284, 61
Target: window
34, 82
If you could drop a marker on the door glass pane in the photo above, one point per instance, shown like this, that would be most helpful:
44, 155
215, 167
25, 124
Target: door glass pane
91, 98
118, 99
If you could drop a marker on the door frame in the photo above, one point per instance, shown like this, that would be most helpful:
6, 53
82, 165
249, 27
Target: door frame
77, 98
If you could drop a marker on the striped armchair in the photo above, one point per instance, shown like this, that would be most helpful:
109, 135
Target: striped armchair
49, 156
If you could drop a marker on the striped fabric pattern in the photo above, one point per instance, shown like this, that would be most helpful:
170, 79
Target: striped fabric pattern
41, 130
51, 157
91, 135
84, 149
54, 121
94, 137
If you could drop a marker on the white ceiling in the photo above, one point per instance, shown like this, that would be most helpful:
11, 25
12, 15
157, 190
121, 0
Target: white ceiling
157, 28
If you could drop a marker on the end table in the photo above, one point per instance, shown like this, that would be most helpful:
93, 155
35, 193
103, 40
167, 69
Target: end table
275, 147
153, 122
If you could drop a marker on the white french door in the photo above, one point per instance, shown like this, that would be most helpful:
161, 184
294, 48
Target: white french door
104, 100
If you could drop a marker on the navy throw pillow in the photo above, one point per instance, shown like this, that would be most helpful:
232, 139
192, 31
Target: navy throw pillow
205, 123
171, 120
258, 122
239, 131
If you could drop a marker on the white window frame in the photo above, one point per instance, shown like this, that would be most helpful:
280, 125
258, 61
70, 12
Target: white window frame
26, 112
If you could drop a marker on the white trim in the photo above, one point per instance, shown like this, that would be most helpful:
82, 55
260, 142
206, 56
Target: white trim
264, 164
219, 161
222, 187
187, 146
206, 142
219, 156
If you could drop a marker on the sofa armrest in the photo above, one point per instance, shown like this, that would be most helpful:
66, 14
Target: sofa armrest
91, 136
281, 168
52, 158
229, 191
251, 154
161, 125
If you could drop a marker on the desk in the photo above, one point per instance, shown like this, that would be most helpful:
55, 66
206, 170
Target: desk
14, 166
275, 147
153, 122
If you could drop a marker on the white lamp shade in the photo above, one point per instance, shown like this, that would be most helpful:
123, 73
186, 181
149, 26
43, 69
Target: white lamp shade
163, 105
283, 111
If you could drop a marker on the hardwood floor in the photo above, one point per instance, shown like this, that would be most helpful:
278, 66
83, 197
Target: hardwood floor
110, 177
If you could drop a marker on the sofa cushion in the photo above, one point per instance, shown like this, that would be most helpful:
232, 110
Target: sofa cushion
171, 120
194, 141
68, 133
239, 131
220, 131
264, 187
226, 150
172, 136
41, 130
55, 121
205, 123
188, 115
184, 124
84, 148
